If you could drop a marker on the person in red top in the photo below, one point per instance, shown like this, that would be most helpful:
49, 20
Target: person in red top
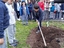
41, 4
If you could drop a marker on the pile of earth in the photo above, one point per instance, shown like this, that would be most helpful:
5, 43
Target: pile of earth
53, 36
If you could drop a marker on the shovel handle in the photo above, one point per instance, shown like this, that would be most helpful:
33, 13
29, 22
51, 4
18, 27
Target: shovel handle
42, 36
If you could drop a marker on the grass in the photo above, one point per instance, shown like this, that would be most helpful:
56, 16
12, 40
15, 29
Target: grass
22, 31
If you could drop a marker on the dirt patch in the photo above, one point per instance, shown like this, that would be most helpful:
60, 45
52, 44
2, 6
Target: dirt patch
52, 37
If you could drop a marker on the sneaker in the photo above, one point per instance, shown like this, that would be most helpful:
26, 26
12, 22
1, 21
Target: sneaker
18, 19
13, 44
15, 41
38, 31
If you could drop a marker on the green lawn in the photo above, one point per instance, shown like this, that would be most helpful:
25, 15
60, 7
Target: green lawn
22, 31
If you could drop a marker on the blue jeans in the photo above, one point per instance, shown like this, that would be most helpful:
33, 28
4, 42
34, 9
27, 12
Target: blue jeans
24, 19
57, 15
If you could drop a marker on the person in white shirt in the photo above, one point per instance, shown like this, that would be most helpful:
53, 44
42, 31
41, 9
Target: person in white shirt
57, 8
11, 29
47, 10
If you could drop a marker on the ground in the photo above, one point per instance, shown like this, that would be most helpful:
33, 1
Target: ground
22, 32
53, 37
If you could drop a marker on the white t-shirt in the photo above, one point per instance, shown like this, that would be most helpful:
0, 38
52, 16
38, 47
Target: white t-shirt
47, 6
11, 13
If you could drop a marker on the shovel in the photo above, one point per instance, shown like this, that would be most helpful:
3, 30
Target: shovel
42, 36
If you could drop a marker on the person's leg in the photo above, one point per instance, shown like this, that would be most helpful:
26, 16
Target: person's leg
44, 17
40, 21
47, 15
22, 19
17, 14
58, 14
10, 34
14, 30
26, 19
62, 15
53, 15
29, 17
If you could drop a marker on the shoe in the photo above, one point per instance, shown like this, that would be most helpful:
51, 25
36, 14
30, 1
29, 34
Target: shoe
13, 44
15, 41
58, 41
37, 31
18, 19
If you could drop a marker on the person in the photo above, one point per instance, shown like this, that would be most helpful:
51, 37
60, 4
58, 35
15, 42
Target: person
30, 6
11, 28
62, 10
41, 4
16, 8
47, 10
37, 13
57, 8
4, 23
24, 12
52, 10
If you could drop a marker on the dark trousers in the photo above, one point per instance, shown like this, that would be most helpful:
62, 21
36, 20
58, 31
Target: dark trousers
40, 24
57, 15
62, 15
18, 14
30, 17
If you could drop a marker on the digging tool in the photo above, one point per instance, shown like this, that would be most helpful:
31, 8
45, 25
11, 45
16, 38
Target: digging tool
42, 35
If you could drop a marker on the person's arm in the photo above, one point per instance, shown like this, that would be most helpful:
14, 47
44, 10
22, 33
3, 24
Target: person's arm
6, 17
1, 25
41, 15
20, 10
27, 10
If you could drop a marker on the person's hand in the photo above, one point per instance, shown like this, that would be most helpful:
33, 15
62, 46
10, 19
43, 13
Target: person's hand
38, 22
60, 10
1, 41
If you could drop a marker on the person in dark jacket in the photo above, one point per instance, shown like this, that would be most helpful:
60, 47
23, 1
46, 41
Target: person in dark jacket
62, 10
38, 15
16, 8
4, 23
30, 6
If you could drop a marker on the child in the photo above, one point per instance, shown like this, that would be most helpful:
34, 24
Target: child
38, 15
11, 28
52, 14
24, 12
30, 6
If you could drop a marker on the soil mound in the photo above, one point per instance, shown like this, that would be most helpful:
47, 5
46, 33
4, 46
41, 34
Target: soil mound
53, 37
